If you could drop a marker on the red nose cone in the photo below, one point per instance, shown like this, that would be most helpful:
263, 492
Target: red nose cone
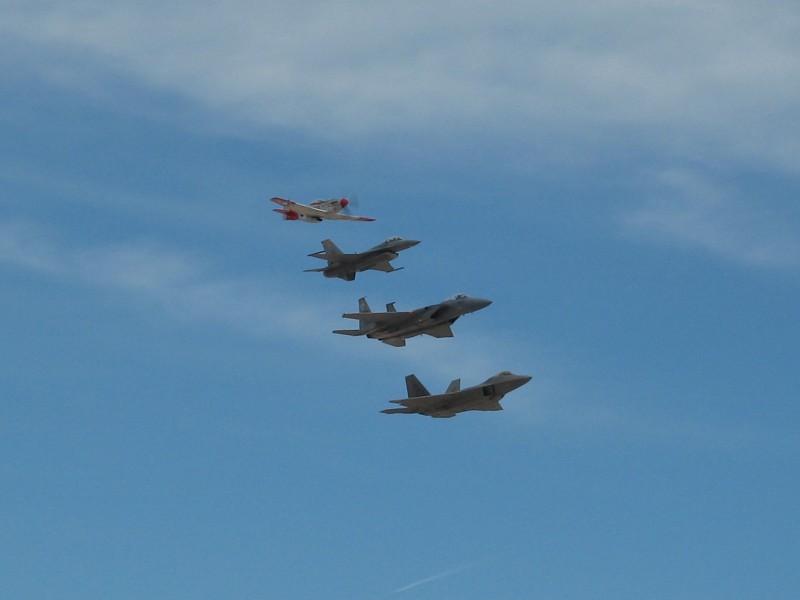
344, 202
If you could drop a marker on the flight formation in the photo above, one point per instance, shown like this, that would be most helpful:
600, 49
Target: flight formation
394, 327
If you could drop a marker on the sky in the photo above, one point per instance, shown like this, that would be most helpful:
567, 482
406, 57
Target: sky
619, 177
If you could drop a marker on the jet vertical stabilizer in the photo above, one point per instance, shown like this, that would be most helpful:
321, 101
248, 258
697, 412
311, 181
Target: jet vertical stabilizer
415, 388
455, 386
364, 324
332, 252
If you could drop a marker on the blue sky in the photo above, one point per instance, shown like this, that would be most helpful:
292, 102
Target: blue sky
620, 178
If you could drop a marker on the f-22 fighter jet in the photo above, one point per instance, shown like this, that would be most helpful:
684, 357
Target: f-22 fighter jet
345, 266
484, 396
393, 327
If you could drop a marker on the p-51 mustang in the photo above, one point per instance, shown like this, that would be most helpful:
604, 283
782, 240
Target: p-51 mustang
345, 266
484, 396
393, 327
317, 211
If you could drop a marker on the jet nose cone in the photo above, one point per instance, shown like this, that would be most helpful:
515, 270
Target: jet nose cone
480, 303
410, 243
520, 380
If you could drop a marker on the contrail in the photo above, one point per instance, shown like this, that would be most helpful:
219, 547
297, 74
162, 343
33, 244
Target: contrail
441, 575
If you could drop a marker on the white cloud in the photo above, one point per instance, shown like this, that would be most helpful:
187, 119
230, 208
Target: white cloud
187, 288
176, 282
694, 77
690, 210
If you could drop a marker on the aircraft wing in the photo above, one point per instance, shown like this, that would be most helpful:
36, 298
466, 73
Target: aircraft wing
380, 318
432, 406
340, 217
440, 331
317, 213
384, 266
300, 209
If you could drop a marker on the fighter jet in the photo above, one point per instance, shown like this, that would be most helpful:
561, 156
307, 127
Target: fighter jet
484, 396
393, 327
345, 266
316, 211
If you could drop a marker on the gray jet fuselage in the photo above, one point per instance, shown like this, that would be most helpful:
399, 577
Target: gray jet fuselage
345, 266
394, 327
485, 396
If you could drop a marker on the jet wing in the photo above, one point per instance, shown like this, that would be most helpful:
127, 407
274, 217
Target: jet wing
432, 406
381, 318
385, 266
440, 331
421, 403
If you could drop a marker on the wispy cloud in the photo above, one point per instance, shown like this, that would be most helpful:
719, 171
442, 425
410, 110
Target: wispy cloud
689, 210
441, 575
702, 74
189, 288
178, 283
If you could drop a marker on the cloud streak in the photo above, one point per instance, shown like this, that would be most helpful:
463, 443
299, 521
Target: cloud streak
441, 575
187, 288
178, 283
693, 77
689, 210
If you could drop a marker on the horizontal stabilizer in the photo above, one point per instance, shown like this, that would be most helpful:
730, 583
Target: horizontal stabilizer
349, 331
314, 270
394, 411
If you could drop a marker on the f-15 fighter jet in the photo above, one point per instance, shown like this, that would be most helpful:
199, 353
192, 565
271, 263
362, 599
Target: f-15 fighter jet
484, 396
393, 327
345, 266
317, 211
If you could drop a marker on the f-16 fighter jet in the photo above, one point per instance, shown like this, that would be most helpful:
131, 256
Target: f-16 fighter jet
484, 396
317, 211
345, 266
393, 327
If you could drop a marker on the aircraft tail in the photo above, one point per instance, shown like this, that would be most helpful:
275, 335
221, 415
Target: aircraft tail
349, 331
329, 252
395, 411
415, 388
332, 251
454, 386
364, 324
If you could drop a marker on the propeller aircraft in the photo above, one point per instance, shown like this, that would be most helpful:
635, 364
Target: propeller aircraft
319, 210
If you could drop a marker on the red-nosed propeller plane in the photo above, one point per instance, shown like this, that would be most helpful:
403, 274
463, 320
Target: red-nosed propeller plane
317, 211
